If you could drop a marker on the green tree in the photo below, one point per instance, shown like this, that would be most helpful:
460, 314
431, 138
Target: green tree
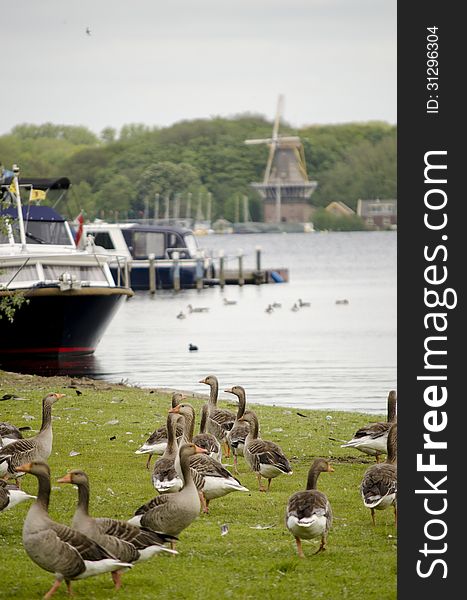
166, 179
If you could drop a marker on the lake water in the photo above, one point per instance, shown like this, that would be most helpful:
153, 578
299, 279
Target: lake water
326, 356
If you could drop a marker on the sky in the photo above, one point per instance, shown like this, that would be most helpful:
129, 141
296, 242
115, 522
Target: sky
159, 62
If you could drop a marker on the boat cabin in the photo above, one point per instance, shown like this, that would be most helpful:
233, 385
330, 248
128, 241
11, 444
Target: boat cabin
169, 250
142, 241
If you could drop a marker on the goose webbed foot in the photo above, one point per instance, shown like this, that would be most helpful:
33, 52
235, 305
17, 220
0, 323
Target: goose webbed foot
53, 589
322, 546
117, 579
300, 553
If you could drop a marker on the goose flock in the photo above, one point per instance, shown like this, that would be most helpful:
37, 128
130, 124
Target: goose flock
187, 476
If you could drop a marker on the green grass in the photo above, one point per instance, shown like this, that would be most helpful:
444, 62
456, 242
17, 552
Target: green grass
248, 562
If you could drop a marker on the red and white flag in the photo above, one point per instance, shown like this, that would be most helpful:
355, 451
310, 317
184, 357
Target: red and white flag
79, 232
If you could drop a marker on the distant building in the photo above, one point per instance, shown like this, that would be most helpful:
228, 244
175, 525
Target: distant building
378, 214
339, 209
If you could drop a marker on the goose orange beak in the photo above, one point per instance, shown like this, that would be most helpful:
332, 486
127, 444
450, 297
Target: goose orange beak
330, 469
228, 390
200, 450
65, 479
24, 468
175, 410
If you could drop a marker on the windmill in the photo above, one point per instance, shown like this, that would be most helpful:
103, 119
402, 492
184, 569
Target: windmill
285, 187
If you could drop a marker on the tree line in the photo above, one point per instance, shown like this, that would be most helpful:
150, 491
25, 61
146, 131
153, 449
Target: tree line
199, 165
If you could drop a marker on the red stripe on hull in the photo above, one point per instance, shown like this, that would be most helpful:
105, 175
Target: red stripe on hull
57, 350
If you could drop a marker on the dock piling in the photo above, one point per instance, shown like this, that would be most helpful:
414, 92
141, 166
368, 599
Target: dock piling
199, 272
176, 271
259, 274
241, 279
152, 273
221, 269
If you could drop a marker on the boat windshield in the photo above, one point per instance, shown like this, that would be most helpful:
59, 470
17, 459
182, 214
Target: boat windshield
191, 243
40, 232
148, 242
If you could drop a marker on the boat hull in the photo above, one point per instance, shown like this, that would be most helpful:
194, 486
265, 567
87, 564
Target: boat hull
59, 323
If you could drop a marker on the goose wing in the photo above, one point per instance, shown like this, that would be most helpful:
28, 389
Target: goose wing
223, 417
269, 453
87, 548
4, 496
379, 480
374, 430
157, 501
209, 467
305, 504
137, 536
164, 469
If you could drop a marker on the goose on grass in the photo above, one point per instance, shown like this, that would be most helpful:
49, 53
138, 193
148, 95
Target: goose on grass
308, 514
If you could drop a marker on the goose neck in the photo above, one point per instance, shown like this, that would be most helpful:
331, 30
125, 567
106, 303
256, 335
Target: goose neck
43, 494
312, 480
213, 393
241, 404
46, 415
83, 498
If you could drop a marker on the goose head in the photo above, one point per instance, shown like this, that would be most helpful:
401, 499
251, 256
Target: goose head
52, 398
76, 477
237, 390
188, 450
209, 380
186, 410
177, 397
322, 465
37, 467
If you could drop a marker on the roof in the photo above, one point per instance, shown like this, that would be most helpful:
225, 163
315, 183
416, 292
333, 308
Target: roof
139, 227
377, 206
60, 183
34, 213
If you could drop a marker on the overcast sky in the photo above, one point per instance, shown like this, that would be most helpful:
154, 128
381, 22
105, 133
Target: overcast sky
158, 62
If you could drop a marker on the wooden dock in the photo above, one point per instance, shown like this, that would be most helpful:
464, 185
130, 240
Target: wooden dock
250, 277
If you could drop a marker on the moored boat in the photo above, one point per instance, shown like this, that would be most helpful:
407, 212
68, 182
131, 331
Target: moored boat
166, 248
67, 297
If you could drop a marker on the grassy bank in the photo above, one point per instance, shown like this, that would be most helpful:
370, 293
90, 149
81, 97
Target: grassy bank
256, 559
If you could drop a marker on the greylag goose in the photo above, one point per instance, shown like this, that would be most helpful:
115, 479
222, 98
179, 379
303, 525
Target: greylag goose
30, 449
11, 495
379, 485
372, 439
172, 513
265, 458
157, 441
229, 302
308, 514
164, 477
122, 540
237, 435
207, 440
197, 309
57, 548
219, 420
9, 433
211, 479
